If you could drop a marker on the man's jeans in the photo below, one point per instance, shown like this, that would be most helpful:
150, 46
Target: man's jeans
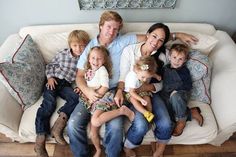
77, 132
140, 126
48, 106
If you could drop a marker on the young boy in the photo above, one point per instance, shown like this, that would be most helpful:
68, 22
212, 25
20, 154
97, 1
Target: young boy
176, 85
60, 72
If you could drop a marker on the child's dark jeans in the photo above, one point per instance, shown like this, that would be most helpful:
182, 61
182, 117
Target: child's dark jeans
48, 106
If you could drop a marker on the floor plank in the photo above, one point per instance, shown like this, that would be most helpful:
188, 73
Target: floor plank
228, 149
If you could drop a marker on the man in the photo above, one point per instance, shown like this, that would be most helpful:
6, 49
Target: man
109, 26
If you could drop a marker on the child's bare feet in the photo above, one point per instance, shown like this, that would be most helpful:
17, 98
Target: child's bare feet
127, 112
98, 153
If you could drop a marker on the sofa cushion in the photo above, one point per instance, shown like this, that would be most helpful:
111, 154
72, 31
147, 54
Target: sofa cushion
205, 42
24, 74
50, 44
193, 133
199, 66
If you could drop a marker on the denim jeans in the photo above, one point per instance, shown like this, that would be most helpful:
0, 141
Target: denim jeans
178, 105
48, 106
77, 132
140, 126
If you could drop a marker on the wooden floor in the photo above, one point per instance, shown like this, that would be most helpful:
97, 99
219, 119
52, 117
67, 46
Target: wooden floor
228, 149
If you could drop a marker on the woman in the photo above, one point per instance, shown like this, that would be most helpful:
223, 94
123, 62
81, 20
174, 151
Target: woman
157, 35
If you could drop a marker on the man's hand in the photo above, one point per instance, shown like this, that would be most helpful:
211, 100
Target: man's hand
51, 83
92, 95
119, 98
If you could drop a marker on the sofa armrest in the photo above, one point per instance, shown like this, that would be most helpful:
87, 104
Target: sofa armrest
10, 110
10, 114
223, 86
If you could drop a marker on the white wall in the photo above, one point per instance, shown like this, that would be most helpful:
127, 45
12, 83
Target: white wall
15, 14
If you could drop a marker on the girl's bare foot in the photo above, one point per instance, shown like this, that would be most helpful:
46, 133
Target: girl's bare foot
98, 153
129, 152
127, 112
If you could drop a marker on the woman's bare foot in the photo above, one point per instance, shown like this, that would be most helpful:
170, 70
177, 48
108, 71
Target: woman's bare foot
159, 150
98, 153
127, 112
129, 152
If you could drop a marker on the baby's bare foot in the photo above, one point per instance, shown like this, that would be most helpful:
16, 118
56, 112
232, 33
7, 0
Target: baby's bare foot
127, 112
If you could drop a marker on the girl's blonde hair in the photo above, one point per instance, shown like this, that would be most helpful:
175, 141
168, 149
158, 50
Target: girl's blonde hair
146, 63
110, 16
107, 64
78, 36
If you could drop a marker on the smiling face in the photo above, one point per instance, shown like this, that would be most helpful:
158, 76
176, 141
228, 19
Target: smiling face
77, 48
109, 30
155, 40
96, 59
177, 59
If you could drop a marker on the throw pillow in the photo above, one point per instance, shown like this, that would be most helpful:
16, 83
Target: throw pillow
205, 42
199, 66
24, 74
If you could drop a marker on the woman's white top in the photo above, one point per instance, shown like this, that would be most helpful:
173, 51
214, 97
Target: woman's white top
129, 56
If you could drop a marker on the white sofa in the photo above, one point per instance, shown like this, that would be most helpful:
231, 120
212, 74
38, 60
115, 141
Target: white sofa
219, 116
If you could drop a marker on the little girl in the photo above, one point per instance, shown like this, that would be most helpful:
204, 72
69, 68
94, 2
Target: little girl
144, 70
98, 71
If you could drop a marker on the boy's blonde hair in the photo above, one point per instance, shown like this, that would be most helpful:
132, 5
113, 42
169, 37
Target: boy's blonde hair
180, 49
110, 16
107, 64
78, 36
146, 63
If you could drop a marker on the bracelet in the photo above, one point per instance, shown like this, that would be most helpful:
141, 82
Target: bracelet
173, 36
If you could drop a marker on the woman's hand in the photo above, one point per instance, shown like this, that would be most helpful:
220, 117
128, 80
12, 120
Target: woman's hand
119, 98
186, 38
51, 83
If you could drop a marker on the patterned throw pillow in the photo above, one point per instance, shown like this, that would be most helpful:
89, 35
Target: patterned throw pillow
199, 66
24, 74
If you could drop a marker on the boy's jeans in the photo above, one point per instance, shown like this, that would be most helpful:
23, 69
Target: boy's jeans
77, 132
48, 106
178, 105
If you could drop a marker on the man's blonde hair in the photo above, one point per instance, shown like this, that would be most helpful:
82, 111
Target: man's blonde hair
78, 36
110, 16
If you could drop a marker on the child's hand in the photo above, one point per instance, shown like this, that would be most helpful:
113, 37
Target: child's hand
143, 102
51, 83
158, 77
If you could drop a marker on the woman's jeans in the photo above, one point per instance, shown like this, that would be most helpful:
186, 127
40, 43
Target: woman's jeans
48, 106
77, 132
140, 126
